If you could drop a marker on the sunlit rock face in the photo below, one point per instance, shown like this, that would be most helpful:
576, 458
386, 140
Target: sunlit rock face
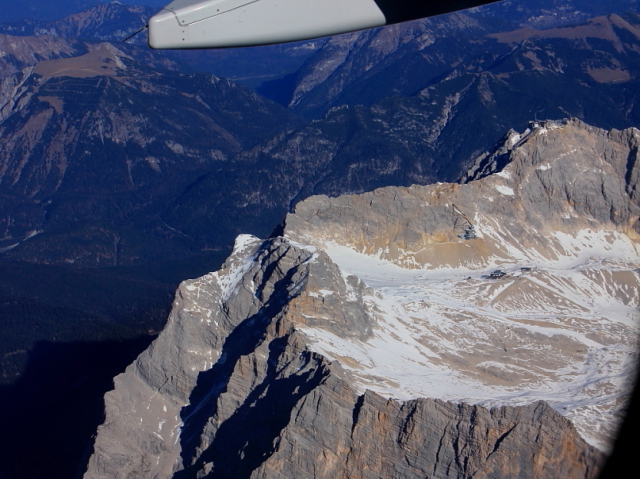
555, 208
554, 179
486, 329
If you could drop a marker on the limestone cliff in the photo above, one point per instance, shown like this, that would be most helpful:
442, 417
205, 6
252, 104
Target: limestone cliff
313, 354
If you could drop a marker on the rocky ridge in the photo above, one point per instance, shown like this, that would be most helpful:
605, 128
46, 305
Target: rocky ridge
111, 22
557, 176
245, 397
100, 121
558, 216
282, 363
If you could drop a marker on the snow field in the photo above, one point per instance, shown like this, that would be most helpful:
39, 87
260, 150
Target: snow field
565, 331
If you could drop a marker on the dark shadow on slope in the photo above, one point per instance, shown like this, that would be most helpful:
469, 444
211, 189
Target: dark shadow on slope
65, 333
244, 339
49, 416
203, 400
249, 437
279, 90
629, 173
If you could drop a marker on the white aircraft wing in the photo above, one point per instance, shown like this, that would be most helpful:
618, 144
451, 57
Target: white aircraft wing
236, 23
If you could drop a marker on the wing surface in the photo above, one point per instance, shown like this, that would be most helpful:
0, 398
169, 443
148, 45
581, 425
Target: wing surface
236, 23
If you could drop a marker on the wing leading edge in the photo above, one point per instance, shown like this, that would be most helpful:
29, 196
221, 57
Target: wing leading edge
237, 23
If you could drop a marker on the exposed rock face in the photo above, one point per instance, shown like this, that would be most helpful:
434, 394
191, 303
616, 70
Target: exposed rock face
619, 149
429, 438
560, 212
556, 177
237, 344
230, 389
305, 361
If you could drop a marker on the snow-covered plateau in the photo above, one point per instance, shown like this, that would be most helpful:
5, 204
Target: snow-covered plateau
558, 320
564, 331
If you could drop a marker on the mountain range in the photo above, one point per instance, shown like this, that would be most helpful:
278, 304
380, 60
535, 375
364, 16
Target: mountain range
313, 352
42, 10
126, 170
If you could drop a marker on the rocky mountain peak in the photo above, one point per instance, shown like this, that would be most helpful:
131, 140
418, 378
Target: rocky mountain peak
325, 342
231, 388
557, 176
107, 21
605, 165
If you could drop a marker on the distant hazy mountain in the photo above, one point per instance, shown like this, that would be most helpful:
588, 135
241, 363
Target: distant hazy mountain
55, 9
366, 67
554, 13
435, 134
106, 21
115, 21
101, 137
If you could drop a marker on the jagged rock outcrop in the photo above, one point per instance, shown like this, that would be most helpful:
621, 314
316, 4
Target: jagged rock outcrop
429, 438
298, 361
555, 177
620, 149
237, 344
560, 207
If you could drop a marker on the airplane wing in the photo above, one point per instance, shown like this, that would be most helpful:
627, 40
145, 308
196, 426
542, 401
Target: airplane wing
236, 23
